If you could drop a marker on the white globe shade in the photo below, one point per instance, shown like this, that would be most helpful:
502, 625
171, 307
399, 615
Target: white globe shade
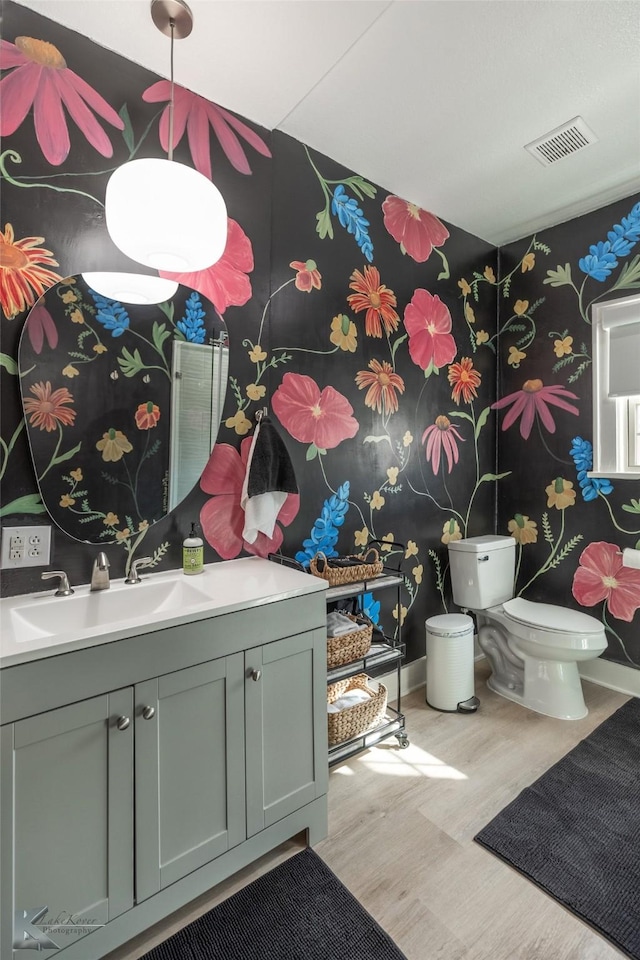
131, 287
166, 215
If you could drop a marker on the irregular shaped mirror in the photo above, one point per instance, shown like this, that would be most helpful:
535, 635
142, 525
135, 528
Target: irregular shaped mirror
122, 400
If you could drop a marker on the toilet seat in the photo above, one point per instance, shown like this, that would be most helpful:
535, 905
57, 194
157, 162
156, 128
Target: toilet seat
551, 618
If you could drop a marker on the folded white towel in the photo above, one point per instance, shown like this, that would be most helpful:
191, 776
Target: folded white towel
351, 698
338, 624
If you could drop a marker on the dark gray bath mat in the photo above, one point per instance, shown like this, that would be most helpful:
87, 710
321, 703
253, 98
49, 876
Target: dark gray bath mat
576, 831
297, 911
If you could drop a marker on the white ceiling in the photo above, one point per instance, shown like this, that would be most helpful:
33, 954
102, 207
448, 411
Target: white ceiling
431, 99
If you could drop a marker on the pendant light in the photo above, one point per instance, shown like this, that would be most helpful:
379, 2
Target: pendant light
161, 212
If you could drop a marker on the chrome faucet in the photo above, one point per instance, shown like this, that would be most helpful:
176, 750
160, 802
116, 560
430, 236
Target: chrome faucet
134, 576
64, 590
100, 573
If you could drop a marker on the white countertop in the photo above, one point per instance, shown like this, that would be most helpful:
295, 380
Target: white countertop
227, 587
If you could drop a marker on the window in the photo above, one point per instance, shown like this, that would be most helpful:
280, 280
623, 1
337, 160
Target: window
616, 388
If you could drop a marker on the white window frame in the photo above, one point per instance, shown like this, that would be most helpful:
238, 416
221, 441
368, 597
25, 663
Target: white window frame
614, 418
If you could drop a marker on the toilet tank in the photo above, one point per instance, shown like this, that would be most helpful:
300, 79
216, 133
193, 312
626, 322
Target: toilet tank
482, 570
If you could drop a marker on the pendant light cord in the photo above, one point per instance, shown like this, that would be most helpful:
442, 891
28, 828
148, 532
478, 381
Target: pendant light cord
172, 24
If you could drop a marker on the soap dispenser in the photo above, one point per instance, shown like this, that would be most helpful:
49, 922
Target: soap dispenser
192, 553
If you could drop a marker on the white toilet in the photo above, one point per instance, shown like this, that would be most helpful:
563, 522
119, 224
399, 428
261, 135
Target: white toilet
533, 648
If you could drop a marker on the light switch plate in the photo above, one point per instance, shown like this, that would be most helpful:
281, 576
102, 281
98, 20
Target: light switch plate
25, 547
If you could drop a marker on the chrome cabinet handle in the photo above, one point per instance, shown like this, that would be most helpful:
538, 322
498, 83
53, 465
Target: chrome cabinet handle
256, 674
148, 713
122, 723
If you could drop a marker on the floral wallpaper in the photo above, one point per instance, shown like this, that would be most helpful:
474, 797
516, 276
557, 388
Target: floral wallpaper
367, 326
570, 529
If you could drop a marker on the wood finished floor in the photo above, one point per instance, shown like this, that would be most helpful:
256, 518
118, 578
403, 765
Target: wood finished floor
401, 828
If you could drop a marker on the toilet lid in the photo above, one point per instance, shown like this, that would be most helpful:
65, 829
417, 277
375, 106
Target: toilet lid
550, 617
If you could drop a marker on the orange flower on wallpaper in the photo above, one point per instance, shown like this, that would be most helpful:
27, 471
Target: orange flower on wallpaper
464, 379
308, 276
147, 415
376, 299
113, 445
382, 382
46, 409
24, 276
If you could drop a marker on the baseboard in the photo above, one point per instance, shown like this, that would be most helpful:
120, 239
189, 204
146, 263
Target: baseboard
615, 676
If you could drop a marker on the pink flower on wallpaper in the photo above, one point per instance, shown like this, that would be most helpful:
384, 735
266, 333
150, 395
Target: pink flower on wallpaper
311, 415
428, 322
42, 80
534, 400
441, 435
222, 517
40, 327
196, 114
601, 576
225, 283
416, 230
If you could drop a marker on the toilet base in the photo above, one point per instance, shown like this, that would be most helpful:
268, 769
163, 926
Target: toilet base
551, 687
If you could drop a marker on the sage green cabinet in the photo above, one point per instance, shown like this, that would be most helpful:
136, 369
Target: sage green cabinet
286, 746
194, 754
67, 788
189, 771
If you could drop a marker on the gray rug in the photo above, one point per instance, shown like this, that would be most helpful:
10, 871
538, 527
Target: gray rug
576, 831
297, 911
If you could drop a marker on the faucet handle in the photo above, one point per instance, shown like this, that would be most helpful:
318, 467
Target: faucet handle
134, 576
64, 590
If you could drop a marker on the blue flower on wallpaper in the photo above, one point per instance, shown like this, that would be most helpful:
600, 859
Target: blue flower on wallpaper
326, 529
111, 314
192, 324
346, 209
582, 455
371, 607
602, 258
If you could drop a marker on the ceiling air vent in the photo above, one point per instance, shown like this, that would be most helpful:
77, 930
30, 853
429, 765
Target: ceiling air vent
561, 142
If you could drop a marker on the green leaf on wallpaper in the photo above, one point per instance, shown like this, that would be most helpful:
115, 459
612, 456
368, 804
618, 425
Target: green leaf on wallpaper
168, 308
362, 188
312, 452
560, 276
66, 456
324, 227
633, 507
159, 333
431, 369
127, 133
31, 503
8, 363
493, 476
130, 363
461, 414
482, 419
629, 276
375, 439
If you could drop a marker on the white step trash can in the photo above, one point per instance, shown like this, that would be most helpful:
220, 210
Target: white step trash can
450, 681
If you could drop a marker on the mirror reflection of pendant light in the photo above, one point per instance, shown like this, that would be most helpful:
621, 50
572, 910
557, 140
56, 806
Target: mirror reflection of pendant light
131, 287
161, 212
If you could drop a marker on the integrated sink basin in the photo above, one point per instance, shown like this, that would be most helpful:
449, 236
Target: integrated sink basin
49, 616
41, 625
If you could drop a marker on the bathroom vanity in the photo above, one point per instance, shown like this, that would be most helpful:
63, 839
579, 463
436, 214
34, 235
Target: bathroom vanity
155, 738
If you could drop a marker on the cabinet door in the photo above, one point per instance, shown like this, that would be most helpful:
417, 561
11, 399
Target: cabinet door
189, 771
285, 706
67, 798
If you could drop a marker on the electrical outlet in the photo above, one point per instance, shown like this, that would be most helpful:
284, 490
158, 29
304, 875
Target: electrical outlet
25, 547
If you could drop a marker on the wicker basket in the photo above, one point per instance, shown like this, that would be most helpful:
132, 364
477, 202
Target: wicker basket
369, 566
353, 721
349, 646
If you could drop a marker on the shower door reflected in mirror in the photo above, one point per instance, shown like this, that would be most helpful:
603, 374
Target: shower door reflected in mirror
122, 404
